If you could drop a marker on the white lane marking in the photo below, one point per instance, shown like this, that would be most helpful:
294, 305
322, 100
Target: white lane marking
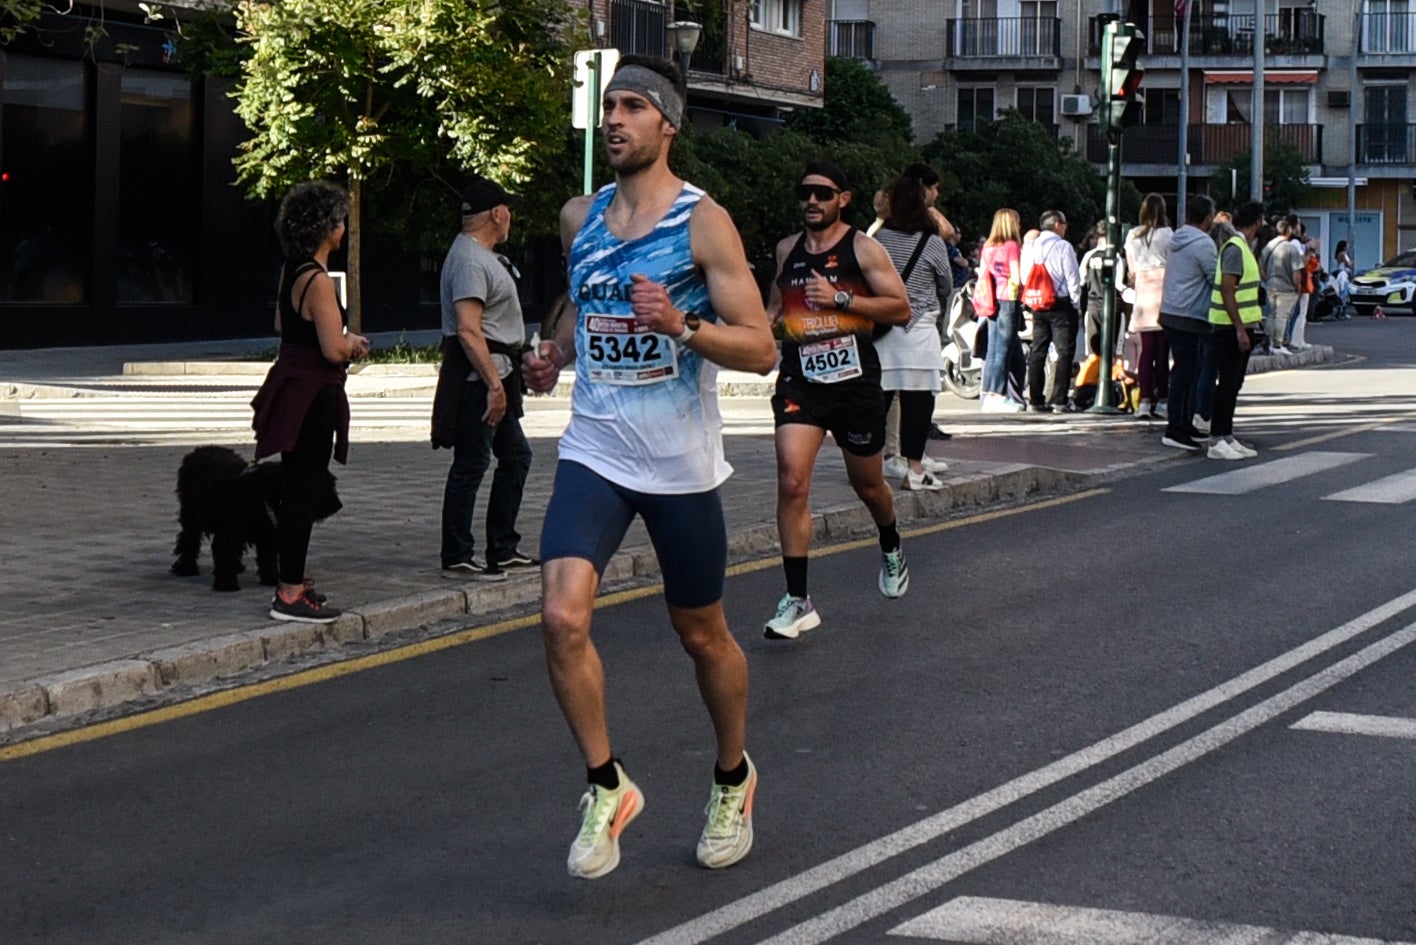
783, 893
985, 921
1349, 723
1390, 490
1248, 478
930, 877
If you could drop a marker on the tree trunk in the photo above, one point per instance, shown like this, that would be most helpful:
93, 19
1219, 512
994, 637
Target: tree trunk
356, 199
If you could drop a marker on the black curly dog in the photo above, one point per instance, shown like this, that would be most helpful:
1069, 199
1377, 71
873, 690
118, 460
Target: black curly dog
234, 502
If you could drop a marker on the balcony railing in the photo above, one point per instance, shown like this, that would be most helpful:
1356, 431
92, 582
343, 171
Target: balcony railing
1208, 144
854, 39
1004, 38
1388, 33
1386, 144
637, 27
1291, 32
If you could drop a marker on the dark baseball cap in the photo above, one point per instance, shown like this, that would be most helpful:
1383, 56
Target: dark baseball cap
482, 194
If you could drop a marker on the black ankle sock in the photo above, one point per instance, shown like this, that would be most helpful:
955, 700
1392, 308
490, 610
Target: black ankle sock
889, 537
731, 778
795, 569
604, 776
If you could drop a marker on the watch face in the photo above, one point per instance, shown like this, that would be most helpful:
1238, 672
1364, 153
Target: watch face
842, 298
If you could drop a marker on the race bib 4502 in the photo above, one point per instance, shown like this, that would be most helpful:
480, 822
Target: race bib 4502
832, 360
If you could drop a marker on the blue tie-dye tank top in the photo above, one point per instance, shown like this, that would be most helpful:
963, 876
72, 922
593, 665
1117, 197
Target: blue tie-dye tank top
644, 411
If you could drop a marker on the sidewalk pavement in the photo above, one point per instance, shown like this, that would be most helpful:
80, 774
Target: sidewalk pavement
94, 624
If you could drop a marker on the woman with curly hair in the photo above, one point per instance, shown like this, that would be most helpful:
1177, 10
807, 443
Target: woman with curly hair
302, 411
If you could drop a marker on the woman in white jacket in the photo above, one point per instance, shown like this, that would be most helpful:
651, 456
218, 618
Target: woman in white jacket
1146, 247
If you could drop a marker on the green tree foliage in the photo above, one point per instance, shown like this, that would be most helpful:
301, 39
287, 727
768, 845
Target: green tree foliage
18, 17
1284, 170
396, 94
858, 108
1014, 162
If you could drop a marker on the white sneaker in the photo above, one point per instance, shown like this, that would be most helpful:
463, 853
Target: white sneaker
921, 482
894, 573
896, 468
605, 814
1279, 349
727, 836
1200, 423
1248, 452
1162, 412
794, 614
1223, 449
933, 465
1143, 410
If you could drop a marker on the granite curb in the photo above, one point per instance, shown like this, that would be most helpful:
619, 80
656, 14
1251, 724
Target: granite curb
38, 706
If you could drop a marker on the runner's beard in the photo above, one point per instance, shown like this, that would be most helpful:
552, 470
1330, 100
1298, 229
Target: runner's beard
827, 219
634, 159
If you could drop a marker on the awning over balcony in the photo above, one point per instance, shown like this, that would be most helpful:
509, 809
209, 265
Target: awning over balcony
1271, 77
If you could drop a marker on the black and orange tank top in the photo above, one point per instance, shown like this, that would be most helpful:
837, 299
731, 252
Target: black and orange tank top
804, 325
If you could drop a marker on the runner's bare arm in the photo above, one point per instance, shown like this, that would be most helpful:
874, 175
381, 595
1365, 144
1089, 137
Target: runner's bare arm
889, 305
541, 368
740, 339
774, 297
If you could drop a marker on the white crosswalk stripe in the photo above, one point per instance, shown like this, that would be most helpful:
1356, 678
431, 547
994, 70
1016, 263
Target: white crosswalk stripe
985, 921
1390, 490
176, 418
1249, 478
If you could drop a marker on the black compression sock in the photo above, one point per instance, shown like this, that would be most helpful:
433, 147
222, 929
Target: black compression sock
604, 776
795, 569
889, 537
731, 778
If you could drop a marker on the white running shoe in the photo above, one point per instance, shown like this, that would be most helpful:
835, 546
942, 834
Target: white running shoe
933, 465
1248, 452
896, 468
921, 482
727, 836
605, 814
794, 614
1200, 423
894, 573
1223, 449
1279, 349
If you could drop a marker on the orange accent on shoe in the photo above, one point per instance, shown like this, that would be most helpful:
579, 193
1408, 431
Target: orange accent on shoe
628, 808
751, 793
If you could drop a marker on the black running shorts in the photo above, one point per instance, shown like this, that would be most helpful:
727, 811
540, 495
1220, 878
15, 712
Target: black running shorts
588, 516
853, 411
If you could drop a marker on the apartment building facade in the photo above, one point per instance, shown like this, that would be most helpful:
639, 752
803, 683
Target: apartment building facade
955, 62
753, 60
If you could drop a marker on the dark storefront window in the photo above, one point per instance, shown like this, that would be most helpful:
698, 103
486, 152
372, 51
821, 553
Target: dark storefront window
158, 198
46, 181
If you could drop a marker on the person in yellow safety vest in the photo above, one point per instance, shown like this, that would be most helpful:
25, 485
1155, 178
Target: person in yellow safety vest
1234, 304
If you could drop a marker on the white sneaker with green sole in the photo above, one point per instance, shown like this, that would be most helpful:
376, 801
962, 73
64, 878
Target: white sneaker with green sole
727, 837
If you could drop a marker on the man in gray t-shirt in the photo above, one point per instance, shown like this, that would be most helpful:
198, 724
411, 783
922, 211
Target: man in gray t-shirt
477, 409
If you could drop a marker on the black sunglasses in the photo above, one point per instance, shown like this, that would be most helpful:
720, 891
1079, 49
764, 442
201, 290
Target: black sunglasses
821, 192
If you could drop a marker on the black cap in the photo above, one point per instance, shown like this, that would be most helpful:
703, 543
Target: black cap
482, 194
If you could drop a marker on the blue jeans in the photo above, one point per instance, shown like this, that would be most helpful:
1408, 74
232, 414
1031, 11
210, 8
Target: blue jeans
472, 451
1002, 341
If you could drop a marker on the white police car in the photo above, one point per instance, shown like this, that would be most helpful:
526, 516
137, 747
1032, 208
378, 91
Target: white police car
1392, 285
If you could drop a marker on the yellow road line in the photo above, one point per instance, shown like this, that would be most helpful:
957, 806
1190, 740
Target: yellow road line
318, 674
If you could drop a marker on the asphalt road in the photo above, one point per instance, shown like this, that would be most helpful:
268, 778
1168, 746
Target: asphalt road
1079, 726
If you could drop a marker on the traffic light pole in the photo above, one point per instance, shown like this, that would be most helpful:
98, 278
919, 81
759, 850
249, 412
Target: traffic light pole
1108, 275
1120, 81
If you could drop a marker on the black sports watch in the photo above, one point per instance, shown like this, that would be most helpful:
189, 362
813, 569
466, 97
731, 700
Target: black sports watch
844, 299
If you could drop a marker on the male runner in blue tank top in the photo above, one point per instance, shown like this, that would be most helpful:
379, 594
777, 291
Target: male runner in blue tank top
835, 289
664, 295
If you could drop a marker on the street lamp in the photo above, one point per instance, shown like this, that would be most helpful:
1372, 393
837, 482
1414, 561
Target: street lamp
684, 35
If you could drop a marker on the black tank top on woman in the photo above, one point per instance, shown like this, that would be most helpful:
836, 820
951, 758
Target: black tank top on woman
295, 330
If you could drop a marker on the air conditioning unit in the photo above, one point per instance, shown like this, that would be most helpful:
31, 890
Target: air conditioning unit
1339, 98
1076, 105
